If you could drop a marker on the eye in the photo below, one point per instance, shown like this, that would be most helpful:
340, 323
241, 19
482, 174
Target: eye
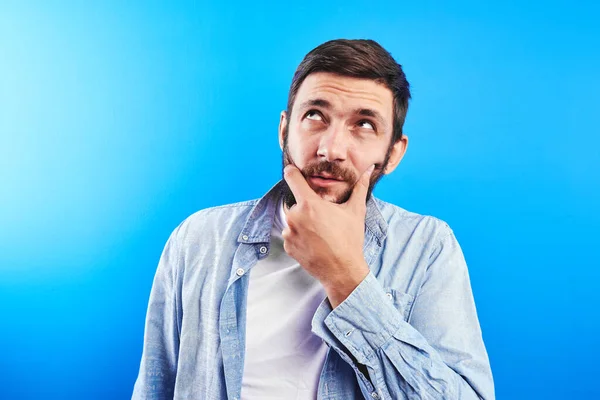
314, 115
366, 124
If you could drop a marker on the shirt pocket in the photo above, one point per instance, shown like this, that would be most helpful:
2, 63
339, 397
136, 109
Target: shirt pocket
401, 300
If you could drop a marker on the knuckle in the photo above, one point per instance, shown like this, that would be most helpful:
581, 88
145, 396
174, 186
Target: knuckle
304, 207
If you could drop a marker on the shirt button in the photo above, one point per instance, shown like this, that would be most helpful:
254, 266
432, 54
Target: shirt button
239, 272
389, 295
245, 237
375, 395
263, 249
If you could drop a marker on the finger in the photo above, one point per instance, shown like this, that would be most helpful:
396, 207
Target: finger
359, 194
289, 220
298, 185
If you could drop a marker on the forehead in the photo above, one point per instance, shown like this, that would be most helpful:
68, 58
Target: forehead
346, 93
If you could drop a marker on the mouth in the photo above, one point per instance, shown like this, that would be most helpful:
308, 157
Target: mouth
324, 180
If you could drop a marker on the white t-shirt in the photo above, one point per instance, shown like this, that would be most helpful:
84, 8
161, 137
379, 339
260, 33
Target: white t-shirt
283, 357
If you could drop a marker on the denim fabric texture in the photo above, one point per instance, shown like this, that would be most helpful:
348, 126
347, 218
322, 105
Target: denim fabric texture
411, 323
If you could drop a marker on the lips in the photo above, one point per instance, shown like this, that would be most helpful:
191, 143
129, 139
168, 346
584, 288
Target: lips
319, 181
327, 176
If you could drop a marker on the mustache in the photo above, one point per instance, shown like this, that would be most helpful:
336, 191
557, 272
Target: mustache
329, 168
332, 169
320, 167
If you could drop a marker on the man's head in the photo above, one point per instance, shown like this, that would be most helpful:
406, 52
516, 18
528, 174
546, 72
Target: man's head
345, 112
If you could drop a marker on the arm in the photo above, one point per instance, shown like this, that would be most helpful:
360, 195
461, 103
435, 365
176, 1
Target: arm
156, 378
439, 354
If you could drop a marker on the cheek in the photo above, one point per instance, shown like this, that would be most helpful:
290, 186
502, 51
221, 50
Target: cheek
367, 156
302, 149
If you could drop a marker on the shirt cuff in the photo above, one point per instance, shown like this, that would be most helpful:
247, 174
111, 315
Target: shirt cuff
365, 320
318, 324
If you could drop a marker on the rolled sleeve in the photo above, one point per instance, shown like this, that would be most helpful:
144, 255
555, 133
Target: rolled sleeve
365, 320
437, 354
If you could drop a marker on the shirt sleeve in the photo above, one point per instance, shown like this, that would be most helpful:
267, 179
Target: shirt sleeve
158, 367
438, 354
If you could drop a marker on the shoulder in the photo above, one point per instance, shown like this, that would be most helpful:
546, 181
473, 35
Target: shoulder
217, 212
420, 241
401, 222
211, 221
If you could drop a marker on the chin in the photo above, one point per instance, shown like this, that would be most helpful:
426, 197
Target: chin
333, 195
329, 197
337, 198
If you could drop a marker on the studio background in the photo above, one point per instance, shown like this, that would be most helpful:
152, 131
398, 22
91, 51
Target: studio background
119, 121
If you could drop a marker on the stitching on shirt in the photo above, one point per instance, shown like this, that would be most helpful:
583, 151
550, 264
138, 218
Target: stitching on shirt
232, 205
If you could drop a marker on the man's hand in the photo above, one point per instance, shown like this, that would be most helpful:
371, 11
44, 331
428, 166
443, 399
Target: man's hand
327, 238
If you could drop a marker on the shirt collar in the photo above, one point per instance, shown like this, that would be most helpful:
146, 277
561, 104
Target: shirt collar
257, 228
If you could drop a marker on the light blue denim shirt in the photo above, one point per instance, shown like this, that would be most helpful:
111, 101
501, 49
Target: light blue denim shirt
412, 321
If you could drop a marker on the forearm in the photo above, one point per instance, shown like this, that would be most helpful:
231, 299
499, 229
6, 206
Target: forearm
400, 361
158, 367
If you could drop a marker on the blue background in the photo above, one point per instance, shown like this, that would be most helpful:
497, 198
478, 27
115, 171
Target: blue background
118, 121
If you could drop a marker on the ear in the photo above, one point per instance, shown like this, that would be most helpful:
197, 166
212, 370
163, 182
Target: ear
282, 123
398, 151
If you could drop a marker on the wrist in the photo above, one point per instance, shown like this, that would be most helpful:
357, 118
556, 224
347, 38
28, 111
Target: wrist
338, 290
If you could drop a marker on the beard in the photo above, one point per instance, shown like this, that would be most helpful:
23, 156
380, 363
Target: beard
333, 169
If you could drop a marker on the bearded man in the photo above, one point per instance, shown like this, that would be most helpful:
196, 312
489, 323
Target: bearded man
318, 289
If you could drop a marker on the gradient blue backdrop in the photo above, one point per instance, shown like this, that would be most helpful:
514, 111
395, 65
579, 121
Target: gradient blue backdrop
118, 121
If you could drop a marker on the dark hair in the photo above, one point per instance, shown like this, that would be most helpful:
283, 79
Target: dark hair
359, 58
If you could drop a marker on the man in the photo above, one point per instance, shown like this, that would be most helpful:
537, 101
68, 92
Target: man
318, 289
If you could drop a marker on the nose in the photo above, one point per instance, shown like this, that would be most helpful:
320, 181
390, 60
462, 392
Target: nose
333, 144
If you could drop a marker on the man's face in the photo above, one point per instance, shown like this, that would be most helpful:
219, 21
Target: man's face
339, 126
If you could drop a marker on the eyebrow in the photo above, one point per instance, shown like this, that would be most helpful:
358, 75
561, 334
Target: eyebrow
315, 103
366, 112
